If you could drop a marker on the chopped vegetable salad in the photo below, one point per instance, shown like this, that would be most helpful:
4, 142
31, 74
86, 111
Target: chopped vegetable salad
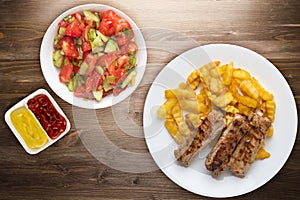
95, 53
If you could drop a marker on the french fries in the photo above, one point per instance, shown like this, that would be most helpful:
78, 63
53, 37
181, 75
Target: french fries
248, 88
231, 89
164, 109
271, 131
194, 120
241, 74
262, 154
173, 130
227, 78
248, 101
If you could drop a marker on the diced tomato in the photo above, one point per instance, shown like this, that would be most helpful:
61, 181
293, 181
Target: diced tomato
85, 33
118, 65
91, 61
106, 59
85, 54
86, 46
91, 83
90, 23
79, 91
82, 26
129, 48
100, 82
75, 69
124, 37
111, 69
66, 71
107, 25
120, 72
122, 60
69, 47
117, 91
82, 93
73, 29
121, 25
106, 93
78, 16
63, 23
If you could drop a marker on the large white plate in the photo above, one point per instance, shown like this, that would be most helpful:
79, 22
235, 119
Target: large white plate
50, 72
196, 178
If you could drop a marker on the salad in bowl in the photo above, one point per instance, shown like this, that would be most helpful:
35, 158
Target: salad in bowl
97, 53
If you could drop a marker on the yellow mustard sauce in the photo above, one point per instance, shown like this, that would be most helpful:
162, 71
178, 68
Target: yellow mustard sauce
28, 127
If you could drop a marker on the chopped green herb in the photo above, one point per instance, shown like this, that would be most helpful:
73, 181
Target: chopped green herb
127, 68
126, 31
132, 60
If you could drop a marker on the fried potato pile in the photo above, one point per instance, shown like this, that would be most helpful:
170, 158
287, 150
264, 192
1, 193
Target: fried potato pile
231, 89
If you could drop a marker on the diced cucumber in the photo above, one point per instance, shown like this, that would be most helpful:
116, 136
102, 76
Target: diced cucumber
72, 84
97, 24
78, 41
96, 41
98, 95
110, 79
129, 77
97, 49
91, 16
56, 41
111, 46
106, 86
99, 54
62, 30
80, 53
132, 60
103, 37
99, 69
80, 80
57, 58
83, 68
92, 34
97, 45
68, 18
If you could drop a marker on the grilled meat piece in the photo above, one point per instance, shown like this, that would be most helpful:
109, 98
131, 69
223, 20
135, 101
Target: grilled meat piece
219, 156
210, 128
245, 153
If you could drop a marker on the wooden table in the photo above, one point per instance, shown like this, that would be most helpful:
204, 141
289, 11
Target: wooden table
67, 170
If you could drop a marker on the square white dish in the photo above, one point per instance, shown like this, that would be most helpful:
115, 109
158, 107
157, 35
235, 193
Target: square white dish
22, 103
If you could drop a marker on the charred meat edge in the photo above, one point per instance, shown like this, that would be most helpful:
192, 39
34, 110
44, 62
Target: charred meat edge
211, 128
219, 156
246, 151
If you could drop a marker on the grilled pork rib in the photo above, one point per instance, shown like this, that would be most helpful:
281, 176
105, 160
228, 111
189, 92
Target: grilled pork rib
219, 156
211, 128
245, 153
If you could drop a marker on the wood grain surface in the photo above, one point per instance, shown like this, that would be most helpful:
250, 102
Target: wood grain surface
67, 170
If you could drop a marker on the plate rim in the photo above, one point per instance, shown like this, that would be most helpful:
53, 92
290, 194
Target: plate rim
275, 172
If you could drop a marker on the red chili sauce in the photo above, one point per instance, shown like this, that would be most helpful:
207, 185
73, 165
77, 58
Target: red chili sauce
50, 119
